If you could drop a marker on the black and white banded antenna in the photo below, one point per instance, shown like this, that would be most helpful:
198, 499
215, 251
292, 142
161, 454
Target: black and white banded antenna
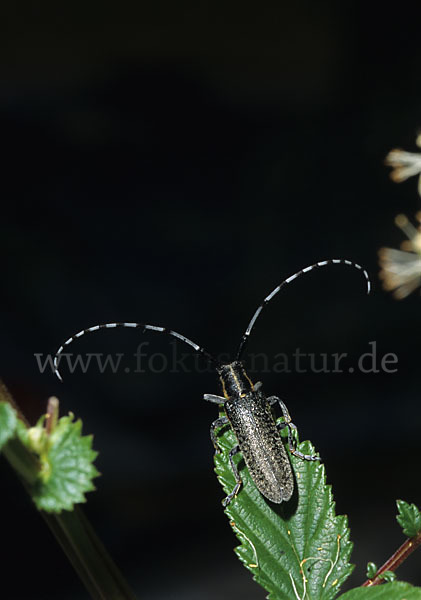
318, 265
143, 326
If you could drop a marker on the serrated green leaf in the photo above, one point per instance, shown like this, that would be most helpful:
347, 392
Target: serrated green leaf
398, 590
371, 570
66, 465
296, 550
409, 518
8, 420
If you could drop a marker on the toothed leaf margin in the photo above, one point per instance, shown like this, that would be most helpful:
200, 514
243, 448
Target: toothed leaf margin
294, 550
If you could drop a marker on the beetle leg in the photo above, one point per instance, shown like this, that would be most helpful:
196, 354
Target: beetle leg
218, 423
303, 456
238, 483
273, 400
288, 423
215, 399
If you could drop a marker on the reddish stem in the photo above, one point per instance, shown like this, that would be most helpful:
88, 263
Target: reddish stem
52, 414
395, 560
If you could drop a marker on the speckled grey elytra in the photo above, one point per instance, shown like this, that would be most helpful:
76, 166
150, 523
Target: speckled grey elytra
249, 413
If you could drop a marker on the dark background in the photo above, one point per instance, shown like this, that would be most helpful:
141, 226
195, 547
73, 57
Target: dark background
171, 163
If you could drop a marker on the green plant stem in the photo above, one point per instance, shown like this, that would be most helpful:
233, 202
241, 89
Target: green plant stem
72, 530
395, 560
88, 556
24, 463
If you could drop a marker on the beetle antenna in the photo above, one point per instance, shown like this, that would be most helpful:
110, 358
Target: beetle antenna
323, 263
143, 326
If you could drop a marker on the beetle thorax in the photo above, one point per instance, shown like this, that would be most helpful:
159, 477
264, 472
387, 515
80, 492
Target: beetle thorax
234, 380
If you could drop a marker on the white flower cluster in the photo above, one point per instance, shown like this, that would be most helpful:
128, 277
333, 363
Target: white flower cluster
400, 270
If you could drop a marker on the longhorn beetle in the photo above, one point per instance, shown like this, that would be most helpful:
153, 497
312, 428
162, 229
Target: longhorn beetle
247, 409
